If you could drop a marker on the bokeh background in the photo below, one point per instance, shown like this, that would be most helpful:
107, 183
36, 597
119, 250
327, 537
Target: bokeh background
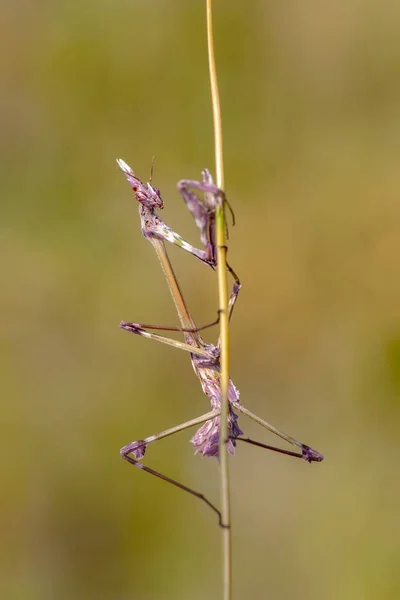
311, 106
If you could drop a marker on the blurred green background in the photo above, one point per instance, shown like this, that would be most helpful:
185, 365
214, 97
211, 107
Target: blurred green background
311, 106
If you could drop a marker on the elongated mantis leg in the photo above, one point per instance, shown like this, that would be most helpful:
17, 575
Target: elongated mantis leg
307, 453
205, 352
138, 330
138, 449
174, 328
235, 291
177, 484
280, 450
268, 447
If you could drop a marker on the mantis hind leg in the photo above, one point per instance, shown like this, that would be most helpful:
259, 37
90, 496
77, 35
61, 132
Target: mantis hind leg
135, 451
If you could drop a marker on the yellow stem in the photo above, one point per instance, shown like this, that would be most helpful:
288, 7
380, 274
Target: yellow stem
216, 106
223, 306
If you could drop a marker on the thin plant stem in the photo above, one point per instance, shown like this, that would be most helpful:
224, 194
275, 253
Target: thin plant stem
216, 106
220, 228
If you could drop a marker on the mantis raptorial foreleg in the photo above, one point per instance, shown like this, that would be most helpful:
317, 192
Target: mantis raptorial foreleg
162, 232
204, 212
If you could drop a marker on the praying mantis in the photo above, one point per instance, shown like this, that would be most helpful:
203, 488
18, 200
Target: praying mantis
204, 357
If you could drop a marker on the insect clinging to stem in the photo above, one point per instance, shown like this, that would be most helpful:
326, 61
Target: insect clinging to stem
204, 357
